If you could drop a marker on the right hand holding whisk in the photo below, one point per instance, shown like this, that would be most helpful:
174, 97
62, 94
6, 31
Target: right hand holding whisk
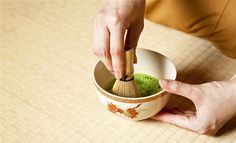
118, 23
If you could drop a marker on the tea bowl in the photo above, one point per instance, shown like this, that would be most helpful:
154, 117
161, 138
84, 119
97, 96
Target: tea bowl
140, 108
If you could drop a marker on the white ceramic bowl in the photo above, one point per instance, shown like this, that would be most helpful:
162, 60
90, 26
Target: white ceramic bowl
149, 62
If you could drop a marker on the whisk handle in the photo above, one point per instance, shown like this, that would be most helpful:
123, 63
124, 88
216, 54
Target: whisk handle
129, 64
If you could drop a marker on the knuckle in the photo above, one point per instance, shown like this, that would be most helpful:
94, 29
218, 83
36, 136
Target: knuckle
99, 18
201, 128
216, 84
202, 131
98, 52
115, 19
101, 14
212, 85
177, 86
111, 19
206, 128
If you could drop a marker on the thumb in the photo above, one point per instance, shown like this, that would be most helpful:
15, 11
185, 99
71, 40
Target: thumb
179, 88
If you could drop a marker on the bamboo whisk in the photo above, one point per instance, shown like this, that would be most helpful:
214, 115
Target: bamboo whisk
127, 86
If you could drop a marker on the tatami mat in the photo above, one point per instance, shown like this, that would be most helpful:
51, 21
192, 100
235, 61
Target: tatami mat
47, 90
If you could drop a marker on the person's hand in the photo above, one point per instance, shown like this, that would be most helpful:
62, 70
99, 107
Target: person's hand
215, 104
118, 24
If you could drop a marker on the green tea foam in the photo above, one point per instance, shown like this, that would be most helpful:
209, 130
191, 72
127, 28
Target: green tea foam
147, 84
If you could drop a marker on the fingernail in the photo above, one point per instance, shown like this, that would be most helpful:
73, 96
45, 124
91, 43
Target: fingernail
163, 83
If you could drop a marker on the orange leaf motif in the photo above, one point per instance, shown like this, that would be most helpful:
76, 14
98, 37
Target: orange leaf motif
133, 113
120, 110
130, 112
112, 107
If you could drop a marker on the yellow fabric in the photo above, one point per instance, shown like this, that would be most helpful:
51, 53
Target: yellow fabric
214, 20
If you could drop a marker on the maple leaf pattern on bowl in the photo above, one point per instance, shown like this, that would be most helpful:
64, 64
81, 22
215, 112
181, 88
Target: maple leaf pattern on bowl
130, 112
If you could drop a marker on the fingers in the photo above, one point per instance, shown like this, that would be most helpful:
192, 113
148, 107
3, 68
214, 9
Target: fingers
178, 118
117, 51
113, 19
109, 42
186, 119
132, 37
102, 49
133, 34
191, 92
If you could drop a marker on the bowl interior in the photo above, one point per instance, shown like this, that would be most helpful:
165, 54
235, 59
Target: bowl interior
154, 64
149, 62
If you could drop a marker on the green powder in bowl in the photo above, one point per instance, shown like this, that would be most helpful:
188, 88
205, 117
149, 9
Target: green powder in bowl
147, 84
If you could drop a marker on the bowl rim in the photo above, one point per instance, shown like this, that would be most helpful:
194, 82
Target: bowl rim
136, 99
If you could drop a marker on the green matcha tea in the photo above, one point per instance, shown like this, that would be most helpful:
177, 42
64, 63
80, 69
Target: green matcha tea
147, 84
